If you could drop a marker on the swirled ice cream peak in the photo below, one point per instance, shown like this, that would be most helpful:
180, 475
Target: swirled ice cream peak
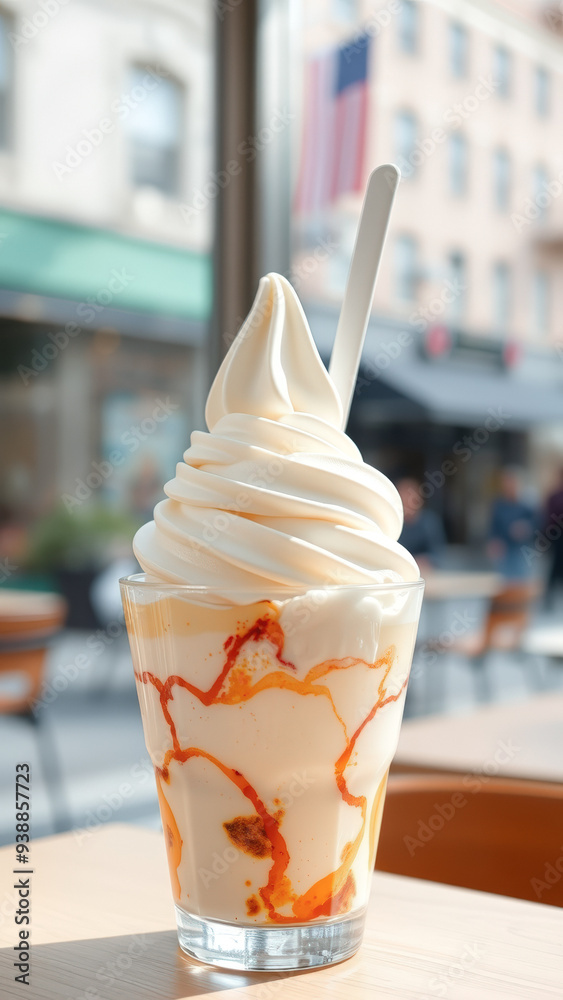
273, 368
275, 496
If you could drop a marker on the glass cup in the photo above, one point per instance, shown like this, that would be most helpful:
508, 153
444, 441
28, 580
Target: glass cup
271, 725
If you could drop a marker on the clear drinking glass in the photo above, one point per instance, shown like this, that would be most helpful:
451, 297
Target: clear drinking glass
271, 725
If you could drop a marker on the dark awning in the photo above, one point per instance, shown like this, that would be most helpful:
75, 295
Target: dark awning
446, 393
48, 267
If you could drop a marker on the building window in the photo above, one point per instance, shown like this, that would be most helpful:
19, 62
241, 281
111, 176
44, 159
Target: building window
155, 130
502, 180
541, 303
344, 11
457, 285
458, 164
5, 80
542, 91
406, 129
502, 71
406, 268
408, 26
502, 294
541, 193
459, 49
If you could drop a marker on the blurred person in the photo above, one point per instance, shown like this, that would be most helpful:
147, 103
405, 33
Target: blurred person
553, 529
513, 522
423, 532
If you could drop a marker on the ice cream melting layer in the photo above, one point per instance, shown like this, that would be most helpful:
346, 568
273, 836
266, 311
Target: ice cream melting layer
275, 496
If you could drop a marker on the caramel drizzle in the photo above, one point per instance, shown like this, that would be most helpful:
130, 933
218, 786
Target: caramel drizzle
334, 892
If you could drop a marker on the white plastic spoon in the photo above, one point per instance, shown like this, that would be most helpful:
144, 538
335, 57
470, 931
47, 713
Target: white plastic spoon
358, 297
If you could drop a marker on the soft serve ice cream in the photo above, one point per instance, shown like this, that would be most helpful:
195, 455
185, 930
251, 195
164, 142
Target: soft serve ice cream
272, 697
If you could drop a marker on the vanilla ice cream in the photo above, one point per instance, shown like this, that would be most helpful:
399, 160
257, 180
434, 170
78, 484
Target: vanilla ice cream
272, 696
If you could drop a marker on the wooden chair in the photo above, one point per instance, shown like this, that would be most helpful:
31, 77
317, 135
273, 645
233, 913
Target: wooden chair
507, 619
28, 622
482, 833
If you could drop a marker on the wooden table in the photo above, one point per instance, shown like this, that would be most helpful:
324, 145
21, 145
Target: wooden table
103, 929
532, 730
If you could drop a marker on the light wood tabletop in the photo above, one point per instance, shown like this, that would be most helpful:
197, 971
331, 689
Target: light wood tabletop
103, 929
523, 739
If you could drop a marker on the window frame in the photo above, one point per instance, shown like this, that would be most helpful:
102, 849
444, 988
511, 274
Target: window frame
407, 276
503, 55
542, 91
501, 324
400, 117
458, 31
458, 308
502, 187
176, 191
408, 28
460, 169
541, 329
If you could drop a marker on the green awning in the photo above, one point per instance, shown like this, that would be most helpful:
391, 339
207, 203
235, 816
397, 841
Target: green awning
57, 259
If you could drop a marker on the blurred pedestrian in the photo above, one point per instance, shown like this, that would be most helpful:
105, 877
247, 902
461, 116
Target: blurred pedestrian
423, 532
553, 529
513, 522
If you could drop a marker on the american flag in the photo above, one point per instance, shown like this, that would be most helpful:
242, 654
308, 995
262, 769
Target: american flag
335, 125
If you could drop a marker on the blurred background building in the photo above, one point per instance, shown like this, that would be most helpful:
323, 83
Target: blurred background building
465, 96
105, 125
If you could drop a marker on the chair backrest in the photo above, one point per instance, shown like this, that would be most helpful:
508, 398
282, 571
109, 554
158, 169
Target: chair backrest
27, 623
483, 833
509, 615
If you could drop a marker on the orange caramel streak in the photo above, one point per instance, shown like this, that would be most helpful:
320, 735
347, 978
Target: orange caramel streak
335, 891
